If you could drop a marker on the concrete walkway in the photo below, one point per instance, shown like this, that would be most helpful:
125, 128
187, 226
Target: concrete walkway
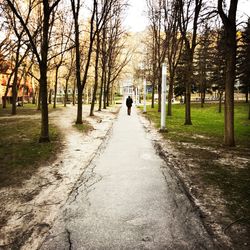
124, 201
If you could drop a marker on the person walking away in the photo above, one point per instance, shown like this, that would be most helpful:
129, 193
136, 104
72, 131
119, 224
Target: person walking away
129, 102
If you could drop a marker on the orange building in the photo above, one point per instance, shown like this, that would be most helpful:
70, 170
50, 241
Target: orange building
24, 86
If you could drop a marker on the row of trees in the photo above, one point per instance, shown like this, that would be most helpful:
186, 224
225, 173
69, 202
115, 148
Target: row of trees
199, 44
84, 42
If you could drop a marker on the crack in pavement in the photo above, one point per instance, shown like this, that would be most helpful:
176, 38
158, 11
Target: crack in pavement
89, 170
69, 239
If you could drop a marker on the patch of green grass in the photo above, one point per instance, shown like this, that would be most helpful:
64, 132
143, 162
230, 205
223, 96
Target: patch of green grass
85, 128
27, 109
208, 124
20, 152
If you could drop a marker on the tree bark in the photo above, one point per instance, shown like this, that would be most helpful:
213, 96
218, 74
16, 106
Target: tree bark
229, 95
43, 66
96, 73
101, 91
50, 96
44, 137
14, 83
220, 100
231, 45
66, 92
78, 64
159, 88
74, 94
79, 106
188, 94
55, 87
203, 96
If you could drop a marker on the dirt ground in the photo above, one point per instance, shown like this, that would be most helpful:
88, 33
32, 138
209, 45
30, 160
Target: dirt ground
28, 213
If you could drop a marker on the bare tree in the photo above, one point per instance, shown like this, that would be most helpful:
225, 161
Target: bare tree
70, 66
97, 56
116, 59
18, 56
188, 13
81, 82
41, 55
229, 21
62, 37
158, 48
173, 44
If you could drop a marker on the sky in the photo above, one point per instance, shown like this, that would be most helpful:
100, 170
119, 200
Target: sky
136, 20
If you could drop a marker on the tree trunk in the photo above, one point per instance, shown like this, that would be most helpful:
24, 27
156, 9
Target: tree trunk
14, 84
170, 95
66, 92
105, 90
220, 100
159, 88
154, 74
4, 100
188, 105
25, 80
78, 64
101, 92
34, 93
203, 96
229, 96
6, 92
44, 137
108, 87
112, 94
229, 21
188, 94
74, 94
96, 74
79, 106
55, 87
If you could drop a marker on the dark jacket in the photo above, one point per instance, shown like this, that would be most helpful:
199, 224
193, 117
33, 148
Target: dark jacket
129, 102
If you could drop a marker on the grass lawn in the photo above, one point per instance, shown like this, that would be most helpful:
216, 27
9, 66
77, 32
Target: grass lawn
208, 124
225, 169
84, 128
20, 152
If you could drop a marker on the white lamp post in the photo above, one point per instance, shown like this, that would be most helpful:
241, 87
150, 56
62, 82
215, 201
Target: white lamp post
144, 95
136, 96
163, 97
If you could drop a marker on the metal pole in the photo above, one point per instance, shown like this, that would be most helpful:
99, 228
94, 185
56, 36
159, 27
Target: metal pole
144, 95
136, 93
163, 97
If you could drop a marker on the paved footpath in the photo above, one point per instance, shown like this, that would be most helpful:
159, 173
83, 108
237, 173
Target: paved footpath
124, 201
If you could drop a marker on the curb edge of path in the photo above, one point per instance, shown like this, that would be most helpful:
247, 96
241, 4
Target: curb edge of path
182, 184
96, 154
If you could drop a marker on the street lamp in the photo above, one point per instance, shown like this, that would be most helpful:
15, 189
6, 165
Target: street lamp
144, 95
163, 98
